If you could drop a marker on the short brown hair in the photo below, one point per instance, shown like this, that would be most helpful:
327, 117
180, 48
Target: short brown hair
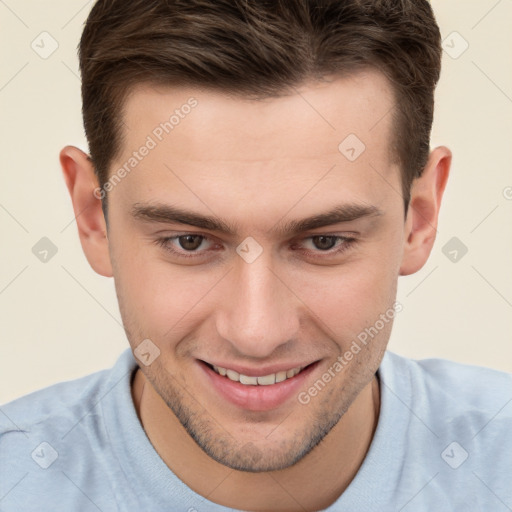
259, 48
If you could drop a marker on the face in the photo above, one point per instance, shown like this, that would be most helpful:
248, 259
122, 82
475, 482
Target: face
245, 239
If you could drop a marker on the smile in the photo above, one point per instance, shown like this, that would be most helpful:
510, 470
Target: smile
263, 392
264, 380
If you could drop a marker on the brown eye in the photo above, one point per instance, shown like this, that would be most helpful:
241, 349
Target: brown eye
190, 242
324, 243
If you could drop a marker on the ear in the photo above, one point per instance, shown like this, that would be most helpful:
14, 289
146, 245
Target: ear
82, 183
422, 216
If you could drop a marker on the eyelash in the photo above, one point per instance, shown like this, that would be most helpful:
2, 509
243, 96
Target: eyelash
346, 243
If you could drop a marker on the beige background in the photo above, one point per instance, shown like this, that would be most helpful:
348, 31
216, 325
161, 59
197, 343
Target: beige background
59, 320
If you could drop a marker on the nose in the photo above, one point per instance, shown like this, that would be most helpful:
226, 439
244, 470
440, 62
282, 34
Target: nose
259, 313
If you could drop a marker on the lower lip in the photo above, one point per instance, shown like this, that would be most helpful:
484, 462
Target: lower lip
256, 397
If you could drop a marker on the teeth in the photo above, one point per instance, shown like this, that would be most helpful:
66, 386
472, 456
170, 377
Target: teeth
232, 375
292, 373
267, 380
280, 376
244, 379
264, 380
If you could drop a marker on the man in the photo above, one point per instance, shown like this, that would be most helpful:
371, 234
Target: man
259, 176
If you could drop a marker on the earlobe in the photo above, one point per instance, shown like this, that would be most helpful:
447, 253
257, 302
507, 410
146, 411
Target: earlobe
422, 218
81, 182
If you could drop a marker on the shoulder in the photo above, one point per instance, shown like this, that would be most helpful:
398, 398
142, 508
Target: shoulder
55, 438
455, 423
442, 382
451, 423
56, 400
60, 399
61, 405
450, 395
451, 401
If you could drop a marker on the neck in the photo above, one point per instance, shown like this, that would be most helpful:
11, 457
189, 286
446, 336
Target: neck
313, 483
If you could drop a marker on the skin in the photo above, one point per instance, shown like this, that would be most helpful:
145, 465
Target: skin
258, 165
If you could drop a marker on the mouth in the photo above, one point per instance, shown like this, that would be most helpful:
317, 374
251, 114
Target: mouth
256, 392
263, 380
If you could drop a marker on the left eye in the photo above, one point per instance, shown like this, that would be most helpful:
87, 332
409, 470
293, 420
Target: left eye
190, 242
184, 245
324, 243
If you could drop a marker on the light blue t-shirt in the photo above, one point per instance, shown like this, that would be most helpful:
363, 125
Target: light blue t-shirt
443, 443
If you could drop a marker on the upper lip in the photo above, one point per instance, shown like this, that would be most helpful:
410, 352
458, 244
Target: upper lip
260, 371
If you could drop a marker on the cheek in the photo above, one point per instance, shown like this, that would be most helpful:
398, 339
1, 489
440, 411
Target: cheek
351, 298
157, 299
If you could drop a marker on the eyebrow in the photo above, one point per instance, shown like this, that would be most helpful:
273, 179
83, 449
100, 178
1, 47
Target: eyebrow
167, 214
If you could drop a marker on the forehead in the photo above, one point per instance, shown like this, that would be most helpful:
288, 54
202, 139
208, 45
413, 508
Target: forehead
304, 123
225, 146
